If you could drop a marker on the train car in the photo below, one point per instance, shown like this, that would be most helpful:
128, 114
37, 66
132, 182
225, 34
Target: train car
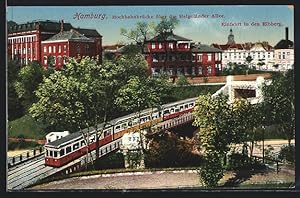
73, 146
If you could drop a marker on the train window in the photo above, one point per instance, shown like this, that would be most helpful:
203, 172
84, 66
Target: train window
129, 139
118, 127
47, 153
124, 125
106, 133
51, 153
186, 106
137, 139
191, 104
75, 146
166, 111
181, 107
62, 152
130, 123
133, 139
55, 153
68, 149
82, 143
176, 110
172, 110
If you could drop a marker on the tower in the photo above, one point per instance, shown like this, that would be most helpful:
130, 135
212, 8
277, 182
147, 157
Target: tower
230, 38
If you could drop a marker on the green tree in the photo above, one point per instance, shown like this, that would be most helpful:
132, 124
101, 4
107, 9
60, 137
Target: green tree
139, 94
221, 124
279, 103
28, 79
139, 34
15, 108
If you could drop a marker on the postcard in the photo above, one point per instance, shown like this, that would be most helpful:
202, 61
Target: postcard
161, 97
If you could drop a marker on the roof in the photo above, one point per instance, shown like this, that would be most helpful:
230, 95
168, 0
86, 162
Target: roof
88, 32
49, 26
69, 35
204, 48
169, 36
243, 46
284, 44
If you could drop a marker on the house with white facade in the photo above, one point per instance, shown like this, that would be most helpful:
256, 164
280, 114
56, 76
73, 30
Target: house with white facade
262, 53
284, 53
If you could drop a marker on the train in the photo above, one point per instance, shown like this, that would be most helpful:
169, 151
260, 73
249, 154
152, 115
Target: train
71, 147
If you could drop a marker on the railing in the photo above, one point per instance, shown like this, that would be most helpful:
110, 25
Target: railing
15, 160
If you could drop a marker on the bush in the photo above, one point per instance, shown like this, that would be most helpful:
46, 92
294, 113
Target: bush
287, 153
110, 161
22, 145
182, 80
26, 127
212, 170
167, 151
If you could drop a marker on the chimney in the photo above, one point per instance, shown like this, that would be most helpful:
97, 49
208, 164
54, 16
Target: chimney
286, 33
61, 26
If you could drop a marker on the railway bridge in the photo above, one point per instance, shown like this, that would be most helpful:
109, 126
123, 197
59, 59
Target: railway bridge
33, 170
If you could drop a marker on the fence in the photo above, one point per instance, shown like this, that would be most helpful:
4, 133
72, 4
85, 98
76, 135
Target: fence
15, 160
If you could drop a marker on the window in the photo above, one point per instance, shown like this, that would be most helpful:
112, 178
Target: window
171, 45
82, 143
153, 45
87, 48
209, 69
59, 49
283, 56
78, 48
54, 49
45, 60
59, 60
129, 139
199, 57
159, 45
62, 152
75, 146
209, 57
54, 59
279, 56
65, 49
55, 153
68, 149
47, 152
29, 50
51, 153
50, 49
24, 50
65, 59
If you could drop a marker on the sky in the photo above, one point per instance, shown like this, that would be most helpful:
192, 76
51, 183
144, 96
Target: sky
202, 27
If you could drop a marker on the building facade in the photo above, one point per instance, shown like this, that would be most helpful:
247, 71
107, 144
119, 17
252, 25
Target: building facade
284, 53
67, 44
25, 40
261, 53
175, 55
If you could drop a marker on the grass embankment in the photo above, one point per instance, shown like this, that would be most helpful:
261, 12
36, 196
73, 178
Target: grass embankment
24, 128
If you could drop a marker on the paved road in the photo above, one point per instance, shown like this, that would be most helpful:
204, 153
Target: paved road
153, 180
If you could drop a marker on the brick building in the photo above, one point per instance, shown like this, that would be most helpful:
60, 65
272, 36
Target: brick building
176, 55
25, 40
